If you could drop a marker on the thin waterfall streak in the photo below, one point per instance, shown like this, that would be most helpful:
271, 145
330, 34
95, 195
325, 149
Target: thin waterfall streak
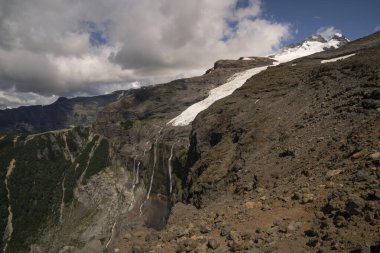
154, 165
138, 173
109, 241
141, 207
62, 200
170, 169
7, 237
134, 183
134, 169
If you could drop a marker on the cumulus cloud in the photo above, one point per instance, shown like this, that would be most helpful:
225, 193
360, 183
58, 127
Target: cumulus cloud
377, 29
63, 48
328, 32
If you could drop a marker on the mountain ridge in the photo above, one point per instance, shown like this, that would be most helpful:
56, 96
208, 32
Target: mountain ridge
79, 111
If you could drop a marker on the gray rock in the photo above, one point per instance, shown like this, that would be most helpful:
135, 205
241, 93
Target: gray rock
187, 245
212, 244
354, 205
205, 229
272, 230
68, 249
225, 230
272, 246
291, 227
311, 233
235, 246
137, 249
361, 176
307, 198
340, 221
312, 243
234, 236
296, 196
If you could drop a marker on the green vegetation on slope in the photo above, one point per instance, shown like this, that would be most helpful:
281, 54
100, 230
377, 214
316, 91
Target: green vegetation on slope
99, 159
76, 170
35, 184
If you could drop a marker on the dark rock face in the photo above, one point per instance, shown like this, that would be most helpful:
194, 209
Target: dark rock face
250, 62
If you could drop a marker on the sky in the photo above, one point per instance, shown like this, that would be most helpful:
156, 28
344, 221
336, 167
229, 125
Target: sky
52, 48
353, 18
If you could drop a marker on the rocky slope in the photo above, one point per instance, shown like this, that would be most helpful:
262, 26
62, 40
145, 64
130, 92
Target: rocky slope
287, 163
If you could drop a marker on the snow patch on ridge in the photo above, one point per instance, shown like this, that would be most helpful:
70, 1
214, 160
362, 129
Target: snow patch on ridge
187, 116
337, 59
305, 49
314, 45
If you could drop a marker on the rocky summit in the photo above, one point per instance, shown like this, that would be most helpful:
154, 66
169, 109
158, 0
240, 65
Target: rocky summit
259, 154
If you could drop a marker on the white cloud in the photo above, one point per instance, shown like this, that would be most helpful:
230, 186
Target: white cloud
11, 98
328, 32
46, 47
377, 29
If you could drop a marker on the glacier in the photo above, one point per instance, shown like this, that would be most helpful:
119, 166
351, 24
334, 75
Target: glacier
313, 45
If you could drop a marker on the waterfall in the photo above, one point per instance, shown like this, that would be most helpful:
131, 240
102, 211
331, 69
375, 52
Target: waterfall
153, 168
134, 173
9, 227
170, 168
62, 200
109, 241
91, 154
66, 150
79, 181
15, 141
138, 173
134, 181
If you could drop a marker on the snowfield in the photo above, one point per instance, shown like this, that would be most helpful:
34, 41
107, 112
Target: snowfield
187, 116
308, 47
337, 59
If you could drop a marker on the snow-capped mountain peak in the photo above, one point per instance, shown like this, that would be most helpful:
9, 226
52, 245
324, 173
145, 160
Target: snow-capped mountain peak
315, 37
311, 45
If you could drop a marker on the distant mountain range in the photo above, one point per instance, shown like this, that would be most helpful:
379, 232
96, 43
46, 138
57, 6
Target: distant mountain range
64, 113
